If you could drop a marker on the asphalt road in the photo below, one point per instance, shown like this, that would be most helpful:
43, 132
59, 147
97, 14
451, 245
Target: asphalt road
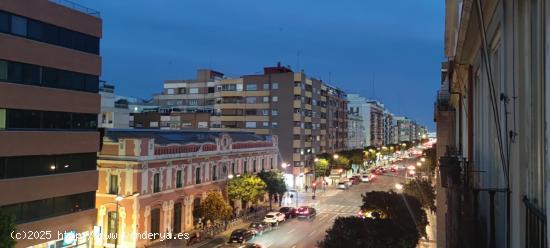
297, 233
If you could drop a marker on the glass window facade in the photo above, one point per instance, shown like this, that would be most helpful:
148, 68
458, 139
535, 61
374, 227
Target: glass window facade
19, 119
28, 166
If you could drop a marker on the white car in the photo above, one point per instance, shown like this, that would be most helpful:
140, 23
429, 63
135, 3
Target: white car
348, 183
274, 217
365, 178
342, 185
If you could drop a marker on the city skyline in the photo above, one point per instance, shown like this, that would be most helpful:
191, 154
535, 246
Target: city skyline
348, 57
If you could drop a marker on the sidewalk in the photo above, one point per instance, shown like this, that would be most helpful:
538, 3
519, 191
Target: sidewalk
431, 229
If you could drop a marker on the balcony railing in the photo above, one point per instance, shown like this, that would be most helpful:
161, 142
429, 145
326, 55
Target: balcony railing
535, 225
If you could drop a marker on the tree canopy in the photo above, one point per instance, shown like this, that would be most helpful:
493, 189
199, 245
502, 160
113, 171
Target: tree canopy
423, 191
322, 167
374, 233
7, 226
247, 187
275, 184
403, 209
214, 207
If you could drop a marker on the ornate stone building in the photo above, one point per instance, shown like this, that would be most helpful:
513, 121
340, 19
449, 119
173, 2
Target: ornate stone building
163, 175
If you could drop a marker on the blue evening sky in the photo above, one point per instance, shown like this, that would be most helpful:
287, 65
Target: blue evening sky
398, 44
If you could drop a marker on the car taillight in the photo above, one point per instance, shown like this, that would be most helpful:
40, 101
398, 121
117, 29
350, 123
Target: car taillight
306, 212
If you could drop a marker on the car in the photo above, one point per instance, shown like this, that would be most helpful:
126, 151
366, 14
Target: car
365, 178
348, 183
241, 236
306, 212
341, 185
289, 212
259, 227
274, 217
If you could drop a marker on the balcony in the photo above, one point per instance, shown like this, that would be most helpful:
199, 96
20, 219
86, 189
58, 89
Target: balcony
535, 222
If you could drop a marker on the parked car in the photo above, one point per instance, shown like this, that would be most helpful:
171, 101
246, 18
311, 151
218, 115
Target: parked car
289, 212
341, 185
365, 178
306, 212
259, 228
348, 183
274, 217
241, 236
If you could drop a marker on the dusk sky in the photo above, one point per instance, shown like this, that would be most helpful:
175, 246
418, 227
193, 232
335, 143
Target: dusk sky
398, 44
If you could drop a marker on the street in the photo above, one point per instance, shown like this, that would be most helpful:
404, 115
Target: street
296, 233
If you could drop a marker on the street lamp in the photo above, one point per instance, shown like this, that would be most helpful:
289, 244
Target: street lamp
316, 160
418, 164
423, 159
398, 186
119, 198
335, 156
230, 176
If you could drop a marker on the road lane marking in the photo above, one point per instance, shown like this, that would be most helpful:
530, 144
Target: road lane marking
291, 230
311, 233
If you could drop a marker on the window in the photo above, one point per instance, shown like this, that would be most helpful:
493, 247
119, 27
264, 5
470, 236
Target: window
176, 222
245, 167
265, 112
275, 99
214, 173
182, 91
250, 124
254, 166
193, 102
251, 99
4, 22
211, 89
111, 226
156, 182
274, 112
233, 168
251, 87
34, 30
18, 25
266, 87
202, 124
274, 124
263, 164
155, 222
3, 70
274, 86
193, 90
50, 207
28, 166
271, 163
265, 124
265, 99
198, 175
170, 91
179, 183
113, 184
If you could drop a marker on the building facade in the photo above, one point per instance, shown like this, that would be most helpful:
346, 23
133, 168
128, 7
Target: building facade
389, 134
360, 105
377, 123
49, 103
114, 112
162, 176
356, 131
196, 95
171, 120
491, 112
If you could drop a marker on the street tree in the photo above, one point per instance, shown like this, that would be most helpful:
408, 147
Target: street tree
249, 188
423, 191
403, 209
322, 167
358, 232
275, 184
214, 207
7, 226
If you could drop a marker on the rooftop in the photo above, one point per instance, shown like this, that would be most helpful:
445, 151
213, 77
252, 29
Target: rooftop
181, 137
77, 7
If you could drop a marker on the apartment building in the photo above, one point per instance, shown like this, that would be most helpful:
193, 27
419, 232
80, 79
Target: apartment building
114, 112
376, 122
388, 134
49, 103
491, 113
356, 130
337, 111
195, 95
168, 119
359, 104
161, 177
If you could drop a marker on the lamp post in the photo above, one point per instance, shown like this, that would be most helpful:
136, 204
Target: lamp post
119, 198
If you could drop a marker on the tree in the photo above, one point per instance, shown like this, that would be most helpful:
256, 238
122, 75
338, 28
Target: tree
275, 184
405, 210
374, 233
247, 187
423, 191
214, 207
7, 226
322, 167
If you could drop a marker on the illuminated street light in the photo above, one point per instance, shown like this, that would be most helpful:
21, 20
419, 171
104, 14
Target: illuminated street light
284, 165
418, 164
398, 186
230, 176
411, 167
335, 156
423, 159
118, 198
316, 160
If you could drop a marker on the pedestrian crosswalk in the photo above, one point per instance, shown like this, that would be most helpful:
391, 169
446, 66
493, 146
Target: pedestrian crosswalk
335, 208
